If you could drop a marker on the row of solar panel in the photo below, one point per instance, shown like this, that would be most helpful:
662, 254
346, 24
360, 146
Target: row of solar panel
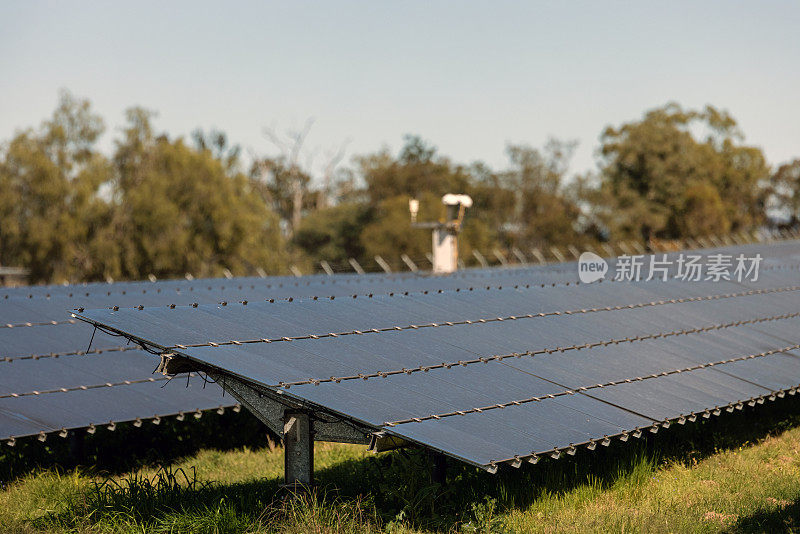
55, 357
48, 365
779, 252
69, 337
490, 376
220, 284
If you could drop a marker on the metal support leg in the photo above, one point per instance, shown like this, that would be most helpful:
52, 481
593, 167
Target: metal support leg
76, 446
439, 473
298, 449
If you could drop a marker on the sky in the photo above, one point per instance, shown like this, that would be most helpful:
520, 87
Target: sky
470, 77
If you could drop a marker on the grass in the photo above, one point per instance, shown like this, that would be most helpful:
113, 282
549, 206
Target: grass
736, 473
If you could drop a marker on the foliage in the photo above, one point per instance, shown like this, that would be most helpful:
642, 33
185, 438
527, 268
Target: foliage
389, 234
334, 234
484, 517
281, 185
157, 207
417, 170
785, 191
656, 173
535, 186
702, 212
182, 211
48, 193
165, 207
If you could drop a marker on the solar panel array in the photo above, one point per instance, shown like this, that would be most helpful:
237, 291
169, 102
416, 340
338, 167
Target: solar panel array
511, 372
53, 380
111, 382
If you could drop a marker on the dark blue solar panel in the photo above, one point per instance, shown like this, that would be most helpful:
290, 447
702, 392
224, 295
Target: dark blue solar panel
51, 412
50, 356
390, 351
602, 359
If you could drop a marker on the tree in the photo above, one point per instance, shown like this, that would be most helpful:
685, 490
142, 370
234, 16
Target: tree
785, 191
541, 210
417, 169
417, 172
216, 142
389, 234
49, 203
183, 211
334, 234
332, 161
702, 212
285, 188
286, 183
650, 166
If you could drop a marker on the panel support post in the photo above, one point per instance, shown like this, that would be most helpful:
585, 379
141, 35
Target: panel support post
76, 446
439, 472
298, 449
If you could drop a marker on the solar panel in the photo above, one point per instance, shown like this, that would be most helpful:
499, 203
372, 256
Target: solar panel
499, 375
309, 285
51, 352
44, 413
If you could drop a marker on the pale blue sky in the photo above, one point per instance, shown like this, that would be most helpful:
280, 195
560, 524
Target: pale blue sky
468, 76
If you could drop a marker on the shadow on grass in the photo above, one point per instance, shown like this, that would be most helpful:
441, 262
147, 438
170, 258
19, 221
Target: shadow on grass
785, 518
129, 447
397, 485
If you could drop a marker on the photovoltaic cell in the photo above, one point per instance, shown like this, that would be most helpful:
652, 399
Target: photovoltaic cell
48, 413
502, 374
41, 357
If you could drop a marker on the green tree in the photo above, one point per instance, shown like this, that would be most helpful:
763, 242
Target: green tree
334, 234
702, 213
538, 208
785, 191
492, 208
182, 210
419, 172
49, 203
286, 188
418, 169
649, 166
216, 142
390, 234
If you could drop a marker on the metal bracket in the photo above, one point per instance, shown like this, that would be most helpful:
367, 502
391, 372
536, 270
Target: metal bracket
270, 408
171, 364
381, 441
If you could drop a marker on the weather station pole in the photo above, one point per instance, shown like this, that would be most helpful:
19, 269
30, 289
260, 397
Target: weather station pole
445, 233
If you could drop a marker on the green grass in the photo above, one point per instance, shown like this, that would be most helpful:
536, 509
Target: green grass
739, 472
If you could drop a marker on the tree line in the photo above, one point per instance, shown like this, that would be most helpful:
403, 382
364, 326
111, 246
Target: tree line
166, 206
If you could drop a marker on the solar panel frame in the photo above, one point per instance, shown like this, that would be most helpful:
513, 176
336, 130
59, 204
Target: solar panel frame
616, 409
425, 307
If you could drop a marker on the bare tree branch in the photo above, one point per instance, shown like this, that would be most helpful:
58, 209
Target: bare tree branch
291, 147
333, 160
